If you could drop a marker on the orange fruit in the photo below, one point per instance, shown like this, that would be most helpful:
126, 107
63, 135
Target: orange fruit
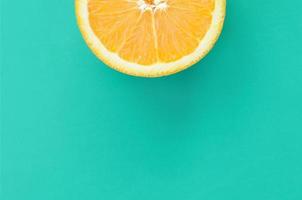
150, 38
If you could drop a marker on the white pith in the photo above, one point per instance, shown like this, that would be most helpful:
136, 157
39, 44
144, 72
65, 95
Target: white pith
156, 69
157, 5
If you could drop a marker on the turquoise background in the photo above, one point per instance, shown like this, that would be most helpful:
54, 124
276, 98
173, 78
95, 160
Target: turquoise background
228, 128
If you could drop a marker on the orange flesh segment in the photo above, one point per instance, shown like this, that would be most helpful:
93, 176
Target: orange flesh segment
149, 37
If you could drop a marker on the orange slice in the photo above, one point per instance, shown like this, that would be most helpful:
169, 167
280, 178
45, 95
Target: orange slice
150, 38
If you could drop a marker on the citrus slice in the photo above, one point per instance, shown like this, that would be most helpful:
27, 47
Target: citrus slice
150, 38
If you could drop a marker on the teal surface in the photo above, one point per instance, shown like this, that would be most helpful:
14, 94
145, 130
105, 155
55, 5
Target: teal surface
228, 128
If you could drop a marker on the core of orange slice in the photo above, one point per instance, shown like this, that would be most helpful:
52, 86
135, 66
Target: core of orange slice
150, 38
